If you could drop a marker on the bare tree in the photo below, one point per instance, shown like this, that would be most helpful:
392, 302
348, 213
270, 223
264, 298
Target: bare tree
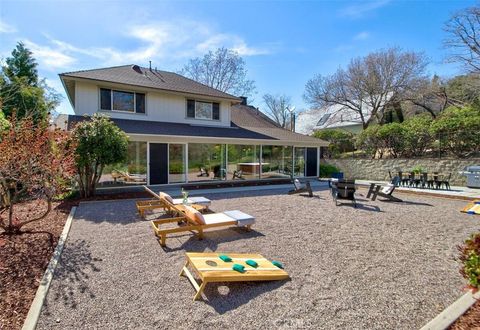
463, 39
278, 108
369, 84
222, 69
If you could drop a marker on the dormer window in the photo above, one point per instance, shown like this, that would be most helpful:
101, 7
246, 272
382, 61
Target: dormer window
117, 100
203, 110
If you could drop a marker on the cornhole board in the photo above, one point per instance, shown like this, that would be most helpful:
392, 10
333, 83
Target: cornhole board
473, 207
210, 269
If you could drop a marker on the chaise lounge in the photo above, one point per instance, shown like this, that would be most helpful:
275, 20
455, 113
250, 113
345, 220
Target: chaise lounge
200, 203
190, 219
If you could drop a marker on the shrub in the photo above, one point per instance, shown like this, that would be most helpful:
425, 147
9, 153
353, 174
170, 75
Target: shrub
417, 136
35, 163
459, 130
369, 141
470, 258
99, 143
326, 170
340, 141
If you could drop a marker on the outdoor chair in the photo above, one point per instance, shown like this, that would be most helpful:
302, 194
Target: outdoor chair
446, 182
189, 219
129, 178
299, 188
237, 175
203, 172
404, 180
385, 192
424, 180
344, 190
165, 201
218, 172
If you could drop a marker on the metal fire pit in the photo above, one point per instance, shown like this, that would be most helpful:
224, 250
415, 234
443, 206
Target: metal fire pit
473, 176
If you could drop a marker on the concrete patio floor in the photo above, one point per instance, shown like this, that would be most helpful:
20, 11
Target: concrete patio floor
379, 266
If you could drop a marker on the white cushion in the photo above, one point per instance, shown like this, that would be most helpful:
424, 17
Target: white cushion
215, 218
388, 189
243, 219
193, 200
166, 197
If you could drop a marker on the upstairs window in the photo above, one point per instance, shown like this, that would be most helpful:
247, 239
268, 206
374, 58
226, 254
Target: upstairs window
203, 110
122, 101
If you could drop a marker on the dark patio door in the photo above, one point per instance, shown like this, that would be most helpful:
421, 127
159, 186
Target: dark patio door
312, 162
158, 163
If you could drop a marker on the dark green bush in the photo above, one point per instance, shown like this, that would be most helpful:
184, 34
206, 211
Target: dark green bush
326, 170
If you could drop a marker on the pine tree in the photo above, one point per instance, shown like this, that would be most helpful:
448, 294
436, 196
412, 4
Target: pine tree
21, 90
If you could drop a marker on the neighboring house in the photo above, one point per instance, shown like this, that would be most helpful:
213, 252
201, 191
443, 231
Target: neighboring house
331, 117
183, 131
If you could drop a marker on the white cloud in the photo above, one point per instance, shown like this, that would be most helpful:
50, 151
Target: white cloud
6, 28
160, 42
51, 58
362, 36
360, 9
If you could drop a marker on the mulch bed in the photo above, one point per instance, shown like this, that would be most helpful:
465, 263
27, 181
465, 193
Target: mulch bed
470, 320
24, 257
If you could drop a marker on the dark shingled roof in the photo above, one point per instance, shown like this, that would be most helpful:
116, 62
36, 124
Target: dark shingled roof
254, 120
138, 76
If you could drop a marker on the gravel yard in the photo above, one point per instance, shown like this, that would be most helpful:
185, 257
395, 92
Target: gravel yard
380, 266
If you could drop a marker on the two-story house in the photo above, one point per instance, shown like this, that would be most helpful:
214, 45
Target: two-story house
183, 131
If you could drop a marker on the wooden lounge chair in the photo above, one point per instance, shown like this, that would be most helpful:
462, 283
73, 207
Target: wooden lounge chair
200, 203
344, 190
129, 178
385, 192
299, 188
191, 220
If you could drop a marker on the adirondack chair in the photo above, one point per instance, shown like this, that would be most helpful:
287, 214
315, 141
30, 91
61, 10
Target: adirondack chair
386, 192
344, 190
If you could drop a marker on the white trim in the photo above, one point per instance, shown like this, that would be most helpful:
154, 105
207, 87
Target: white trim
318, 161
191, 139
168, 163
186, 162
148, 162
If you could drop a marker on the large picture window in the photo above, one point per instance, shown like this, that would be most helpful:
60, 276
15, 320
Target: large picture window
176, 163
203, 110
276, 161
132, 172
206, 162
122, 101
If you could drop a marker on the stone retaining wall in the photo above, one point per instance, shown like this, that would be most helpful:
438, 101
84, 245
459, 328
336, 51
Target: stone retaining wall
377, 169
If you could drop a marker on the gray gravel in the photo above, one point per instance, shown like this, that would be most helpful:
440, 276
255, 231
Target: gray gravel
380, 266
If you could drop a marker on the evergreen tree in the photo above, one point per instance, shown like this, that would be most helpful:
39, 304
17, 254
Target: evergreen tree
21, 90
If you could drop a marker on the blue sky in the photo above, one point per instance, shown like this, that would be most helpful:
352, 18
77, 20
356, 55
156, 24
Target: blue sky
284, 43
